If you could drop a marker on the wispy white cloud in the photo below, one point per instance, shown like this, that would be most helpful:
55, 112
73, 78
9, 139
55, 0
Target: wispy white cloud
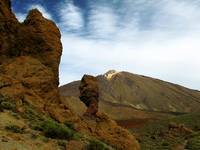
150, 37
178, 15
71, 16
102, 21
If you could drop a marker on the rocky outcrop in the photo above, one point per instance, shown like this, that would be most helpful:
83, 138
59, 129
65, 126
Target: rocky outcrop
29, 59
29, 56
99, 124
8, 27
89, 94
43, 41
36, 37
107, 130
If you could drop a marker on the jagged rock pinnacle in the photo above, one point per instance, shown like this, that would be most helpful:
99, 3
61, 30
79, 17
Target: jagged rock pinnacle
89, 94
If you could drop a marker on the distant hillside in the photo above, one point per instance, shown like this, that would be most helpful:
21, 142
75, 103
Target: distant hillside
139, 96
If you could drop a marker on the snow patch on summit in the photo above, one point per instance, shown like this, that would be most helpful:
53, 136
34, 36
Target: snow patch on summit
110, 74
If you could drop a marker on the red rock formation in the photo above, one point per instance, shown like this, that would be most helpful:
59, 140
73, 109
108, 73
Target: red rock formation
89, 94
29, 55
43, 41
37, 37
8, 27
107, 130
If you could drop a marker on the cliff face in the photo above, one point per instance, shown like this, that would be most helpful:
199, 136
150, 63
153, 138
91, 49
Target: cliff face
30, 56
36, 37
29, 59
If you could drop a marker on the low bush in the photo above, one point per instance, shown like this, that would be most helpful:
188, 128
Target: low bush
97, 145
49, 127
6, 103
52, 129
14, 128
69, 124
193, 143
165, 144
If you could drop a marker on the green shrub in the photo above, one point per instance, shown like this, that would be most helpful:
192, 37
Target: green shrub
97, 145
35, 119
7, 105
49, 127
193, 143
30, 114
165, 144
3, 98
188, 120
69, 124
55, 130
14, 128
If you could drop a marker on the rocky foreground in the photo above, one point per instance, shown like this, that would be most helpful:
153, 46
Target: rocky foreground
32, 113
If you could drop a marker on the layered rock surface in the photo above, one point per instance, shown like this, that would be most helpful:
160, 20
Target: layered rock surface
29, 59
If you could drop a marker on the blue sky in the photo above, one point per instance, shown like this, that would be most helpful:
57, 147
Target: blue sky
157, 38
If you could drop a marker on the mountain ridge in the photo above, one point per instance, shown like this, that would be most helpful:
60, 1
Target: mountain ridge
140, 93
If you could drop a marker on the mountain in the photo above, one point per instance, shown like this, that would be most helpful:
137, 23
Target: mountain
32, 113
124, 95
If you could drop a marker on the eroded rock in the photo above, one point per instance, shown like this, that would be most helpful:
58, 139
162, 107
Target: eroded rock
89, 94
29, 56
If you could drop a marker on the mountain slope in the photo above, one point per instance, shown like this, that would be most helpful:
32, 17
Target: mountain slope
135, 93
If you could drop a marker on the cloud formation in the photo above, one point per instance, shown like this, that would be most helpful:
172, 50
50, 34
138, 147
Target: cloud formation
149, 37
70, 16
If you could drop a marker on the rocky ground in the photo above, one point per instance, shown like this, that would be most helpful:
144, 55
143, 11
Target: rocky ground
181, 132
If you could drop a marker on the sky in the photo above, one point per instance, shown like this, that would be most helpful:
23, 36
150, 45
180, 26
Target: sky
157, 38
